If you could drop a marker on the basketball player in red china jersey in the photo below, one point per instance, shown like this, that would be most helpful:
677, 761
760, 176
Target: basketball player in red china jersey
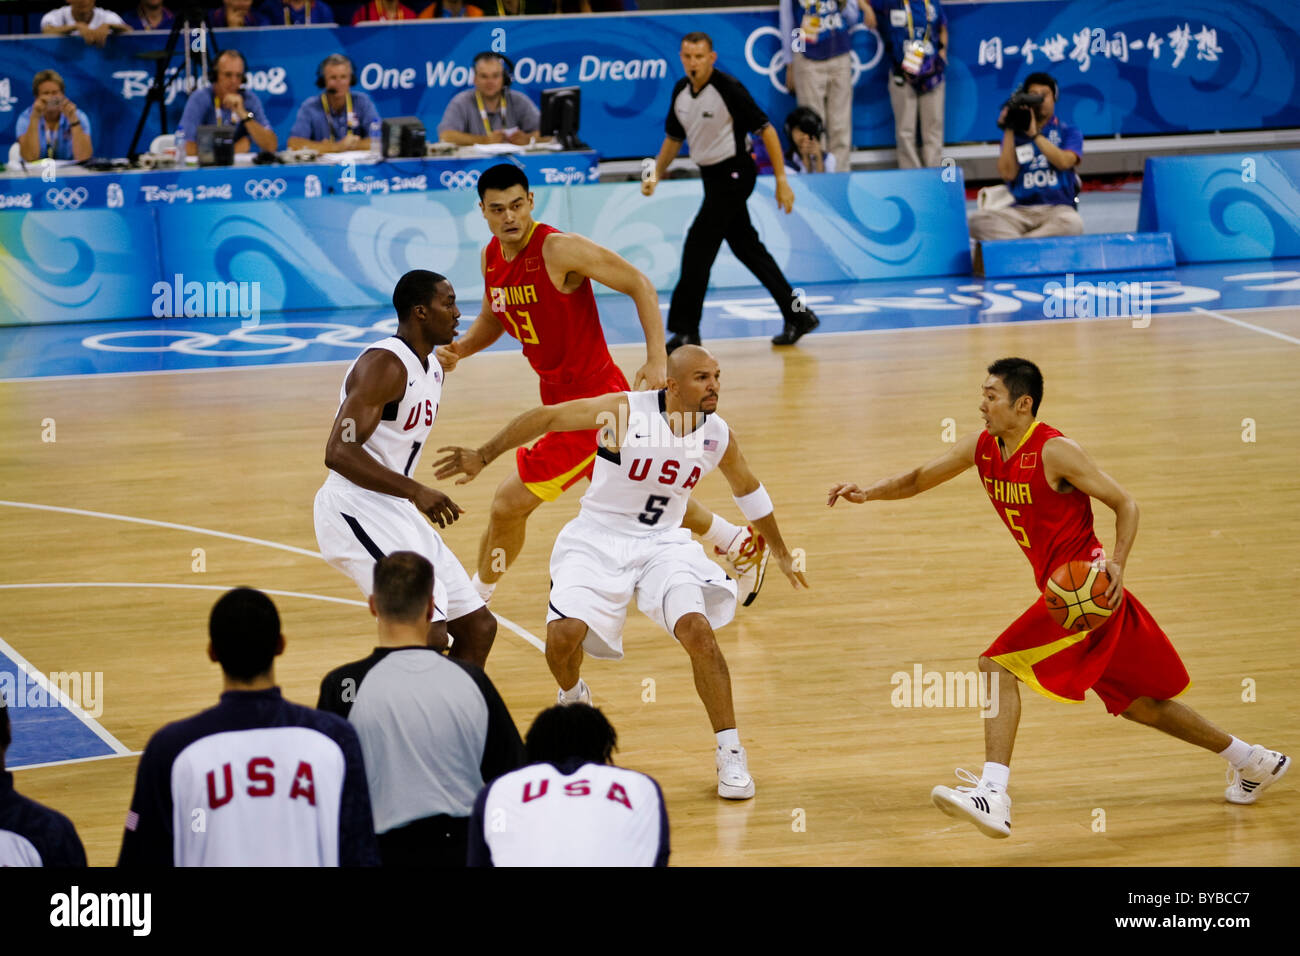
537, 289
1041, 484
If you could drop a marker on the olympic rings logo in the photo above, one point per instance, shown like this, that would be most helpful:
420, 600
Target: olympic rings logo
255, 340
265, 188
459, 178
66, 198
773, 69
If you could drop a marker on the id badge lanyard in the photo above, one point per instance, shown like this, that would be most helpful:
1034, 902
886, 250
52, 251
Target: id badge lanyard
351, 117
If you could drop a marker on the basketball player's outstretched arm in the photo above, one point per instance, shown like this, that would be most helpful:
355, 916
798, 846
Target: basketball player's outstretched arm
948, 465
378, 378
743, 482
1064, 460
577, 255
485, 330
604, 411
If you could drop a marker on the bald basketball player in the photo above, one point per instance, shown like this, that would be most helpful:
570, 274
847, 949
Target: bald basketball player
1041, 484
626, 541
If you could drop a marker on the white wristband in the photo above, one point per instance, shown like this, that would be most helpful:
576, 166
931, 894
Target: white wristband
755, 505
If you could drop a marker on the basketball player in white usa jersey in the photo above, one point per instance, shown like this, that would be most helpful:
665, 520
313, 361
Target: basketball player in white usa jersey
627, 541
370, 505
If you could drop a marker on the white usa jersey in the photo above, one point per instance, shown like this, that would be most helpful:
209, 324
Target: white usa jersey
404, 427
642, 488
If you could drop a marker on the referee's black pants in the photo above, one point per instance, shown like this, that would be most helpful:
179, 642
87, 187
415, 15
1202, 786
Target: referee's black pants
440, 841
724, 215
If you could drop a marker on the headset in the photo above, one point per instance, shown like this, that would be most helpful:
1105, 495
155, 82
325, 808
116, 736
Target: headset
804, 118
507, 65
212, 65
332, 60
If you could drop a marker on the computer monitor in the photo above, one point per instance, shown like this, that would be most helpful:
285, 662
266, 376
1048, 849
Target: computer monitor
561, 111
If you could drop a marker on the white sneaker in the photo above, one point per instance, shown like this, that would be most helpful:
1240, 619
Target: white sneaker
734, 781
989, 810
584, 694
1264, 768
746, 561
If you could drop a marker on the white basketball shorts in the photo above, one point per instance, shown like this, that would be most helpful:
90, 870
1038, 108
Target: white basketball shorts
595, 574
356, 527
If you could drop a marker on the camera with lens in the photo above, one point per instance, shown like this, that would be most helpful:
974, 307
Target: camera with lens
1021, 110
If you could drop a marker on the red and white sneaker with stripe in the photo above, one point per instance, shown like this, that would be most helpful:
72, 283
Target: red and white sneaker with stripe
746, 561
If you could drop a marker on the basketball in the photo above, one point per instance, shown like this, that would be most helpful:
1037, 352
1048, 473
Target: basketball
1076, 596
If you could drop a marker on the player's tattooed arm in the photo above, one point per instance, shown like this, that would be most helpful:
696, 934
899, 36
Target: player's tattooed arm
577, 257
378, 378
743, 482
604, 413
486, 329
1065, 461
948, 465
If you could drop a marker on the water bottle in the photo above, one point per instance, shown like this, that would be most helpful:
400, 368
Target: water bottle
179, 140
376, 151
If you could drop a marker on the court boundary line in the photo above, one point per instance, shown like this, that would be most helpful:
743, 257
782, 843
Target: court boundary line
1194, 310
64, 763
1246, 325
35, 676
510, 625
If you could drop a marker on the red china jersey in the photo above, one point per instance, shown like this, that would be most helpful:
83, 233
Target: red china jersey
1051, 528
560, 332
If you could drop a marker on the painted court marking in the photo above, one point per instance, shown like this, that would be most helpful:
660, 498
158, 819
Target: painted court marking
1246, 325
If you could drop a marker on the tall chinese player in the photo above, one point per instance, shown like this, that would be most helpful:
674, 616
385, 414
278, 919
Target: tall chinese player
537, 288
1041, 484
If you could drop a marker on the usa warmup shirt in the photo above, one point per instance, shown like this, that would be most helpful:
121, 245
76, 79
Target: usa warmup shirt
713, 121
574, 814
254, 781
433, 730
33, 835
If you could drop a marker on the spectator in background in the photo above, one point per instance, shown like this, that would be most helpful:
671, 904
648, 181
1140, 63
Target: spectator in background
517, 8
450, 8
570, 806
296, 13
1039, 169
83, 17
149, 15
339, 118
225, 103
821, 74
53, 127
378, 11
30, 834
491, 112
915, 34
237, 13
433, 730
255, 780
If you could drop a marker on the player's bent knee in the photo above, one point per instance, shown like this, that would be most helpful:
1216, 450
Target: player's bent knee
694, 633
1143, 710
513, 501
565, 634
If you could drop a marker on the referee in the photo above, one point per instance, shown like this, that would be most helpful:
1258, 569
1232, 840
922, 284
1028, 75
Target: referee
433, 730
714, 112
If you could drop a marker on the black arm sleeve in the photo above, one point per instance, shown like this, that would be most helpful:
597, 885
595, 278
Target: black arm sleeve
479, 854
358, 845
151, 842
745, 114
661, 858
672, 125
66, 850
503, 750
332, 696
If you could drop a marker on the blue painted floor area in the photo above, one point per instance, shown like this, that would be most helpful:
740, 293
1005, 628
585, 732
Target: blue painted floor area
323, 336
43, 730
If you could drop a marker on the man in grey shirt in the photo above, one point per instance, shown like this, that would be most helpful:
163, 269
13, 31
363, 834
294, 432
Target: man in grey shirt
491, 112
433, 730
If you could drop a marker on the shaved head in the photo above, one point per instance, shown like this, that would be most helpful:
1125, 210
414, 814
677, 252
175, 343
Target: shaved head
685, 358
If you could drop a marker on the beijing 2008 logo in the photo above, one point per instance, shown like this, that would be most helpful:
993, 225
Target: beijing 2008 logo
775, 72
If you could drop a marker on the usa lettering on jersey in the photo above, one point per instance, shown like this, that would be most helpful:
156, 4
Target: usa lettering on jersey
258, 780
576, 788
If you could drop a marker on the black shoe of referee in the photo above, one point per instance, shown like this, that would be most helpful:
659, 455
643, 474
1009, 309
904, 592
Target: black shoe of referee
679, 339
794, 331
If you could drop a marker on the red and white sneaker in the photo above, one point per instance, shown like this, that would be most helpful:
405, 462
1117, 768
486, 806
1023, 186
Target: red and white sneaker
746, 561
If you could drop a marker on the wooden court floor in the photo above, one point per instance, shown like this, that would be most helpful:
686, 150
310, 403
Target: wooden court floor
843, 775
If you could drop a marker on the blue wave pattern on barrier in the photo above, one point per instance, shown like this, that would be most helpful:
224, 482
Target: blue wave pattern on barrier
1228, 206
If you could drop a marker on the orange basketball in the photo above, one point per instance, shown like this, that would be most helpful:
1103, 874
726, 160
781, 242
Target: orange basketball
1076, 596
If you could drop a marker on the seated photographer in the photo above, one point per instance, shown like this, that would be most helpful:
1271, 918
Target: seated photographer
52, 127
806, 152
1038, 160
225, 104
338, 120
83, 17
491, 112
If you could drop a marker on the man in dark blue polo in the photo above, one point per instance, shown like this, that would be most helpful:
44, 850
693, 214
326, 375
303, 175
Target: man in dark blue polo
224, 103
